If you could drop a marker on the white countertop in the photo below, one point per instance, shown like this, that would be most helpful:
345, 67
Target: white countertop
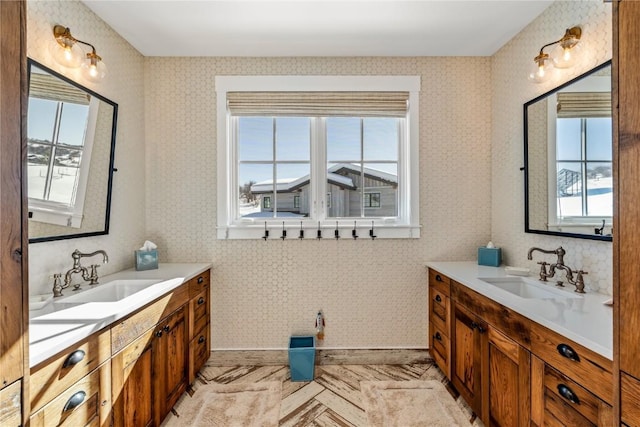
52, 331
585, 320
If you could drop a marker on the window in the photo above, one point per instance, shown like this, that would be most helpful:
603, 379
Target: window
581, 183
59, 142
372, 200
317, 152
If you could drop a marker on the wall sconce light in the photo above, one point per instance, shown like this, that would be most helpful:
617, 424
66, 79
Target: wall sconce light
67, 52
564, 55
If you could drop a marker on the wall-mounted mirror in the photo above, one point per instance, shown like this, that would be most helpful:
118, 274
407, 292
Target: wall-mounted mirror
568, 159
71, 136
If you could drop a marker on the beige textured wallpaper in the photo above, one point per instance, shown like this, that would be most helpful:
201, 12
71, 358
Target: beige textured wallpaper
373, 293
510, 90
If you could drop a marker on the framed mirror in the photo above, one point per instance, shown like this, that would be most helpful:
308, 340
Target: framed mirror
568, 159
71, 137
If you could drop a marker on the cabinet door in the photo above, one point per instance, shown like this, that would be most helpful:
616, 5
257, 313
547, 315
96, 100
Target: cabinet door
170, 362
508, 381
469, 340
132, 383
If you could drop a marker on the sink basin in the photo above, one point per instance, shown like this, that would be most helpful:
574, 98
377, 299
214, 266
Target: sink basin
527, 288
108, 292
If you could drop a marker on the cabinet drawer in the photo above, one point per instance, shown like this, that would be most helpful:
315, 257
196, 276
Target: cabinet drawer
439, 308
583, 366
132, 327
199, 283
440, 348
11, 405
87, 402
53, 376
575, 396
199, 312
440, 282
199, 351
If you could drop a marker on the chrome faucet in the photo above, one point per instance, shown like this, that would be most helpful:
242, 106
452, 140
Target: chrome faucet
92, 277
578, 282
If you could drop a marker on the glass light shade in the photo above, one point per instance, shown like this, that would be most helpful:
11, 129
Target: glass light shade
66, 53
541, 70
565, 56
94, 71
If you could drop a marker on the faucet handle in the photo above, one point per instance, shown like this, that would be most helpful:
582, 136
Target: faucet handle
543, 270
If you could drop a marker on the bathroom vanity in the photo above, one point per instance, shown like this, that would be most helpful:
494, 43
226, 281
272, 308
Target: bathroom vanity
122, 362
519, 352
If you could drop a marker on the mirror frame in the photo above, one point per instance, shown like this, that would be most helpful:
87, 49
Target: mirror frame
527, 229
112, 169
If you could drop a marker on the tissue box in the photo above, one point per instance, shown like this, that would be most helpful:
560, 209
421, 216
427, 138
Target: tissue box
489, 256
146, 260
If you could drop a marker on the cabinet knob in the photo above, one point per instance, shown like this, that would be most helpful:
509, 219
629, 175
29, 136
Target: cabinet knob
477, 326
159, 333
73, 358
438, 278
437, 336
568, 394
566, 351
438, 298
166, 328
200, 280
74, 401
201, 339
200, 300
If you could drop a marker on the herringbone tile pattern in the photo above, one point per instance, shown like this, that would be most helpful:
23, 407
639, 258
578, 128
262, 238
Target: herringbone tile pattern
332, 399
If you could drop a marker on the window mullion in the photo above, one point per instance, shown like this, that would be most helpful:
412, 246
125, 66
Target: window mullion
319, 167
274, 202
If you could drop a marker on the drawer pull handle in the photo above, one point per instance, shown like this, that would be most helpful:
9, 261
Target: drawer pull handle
568, 394
480, 328
200, 280
166, 328
74, 401
73, 358
438, 299
568, 352
159, 333
437, 336
438, 278
200, 300
201, 339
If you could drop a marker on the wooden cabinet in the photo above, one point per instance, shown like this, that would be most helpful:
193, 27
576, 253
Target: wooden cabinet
199, 319
13, 231
489, 358
150, 371
439, 321
467, 353
508, 387
169, 362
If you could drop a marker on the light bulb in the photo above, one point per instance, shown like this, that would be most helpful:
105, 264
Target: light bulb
542, 69
93, 68
566, 55
66, 52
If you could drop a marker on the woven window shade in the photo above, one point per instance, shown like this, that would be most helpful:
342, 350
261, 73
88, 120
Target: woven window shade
584, 104
46, 86
354, 104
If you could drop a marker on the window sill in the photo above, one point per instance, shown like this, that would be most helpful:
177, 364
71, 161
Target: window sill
255, 232
55, 217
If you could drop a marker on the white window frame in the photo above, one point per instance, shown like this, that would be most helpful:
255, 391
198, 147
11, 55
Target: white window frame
574, 224
56, 213
405, 225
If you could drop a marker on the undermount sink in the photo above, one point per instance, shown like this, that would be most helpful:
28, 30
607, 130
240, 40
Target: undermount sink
108, 292
527, 288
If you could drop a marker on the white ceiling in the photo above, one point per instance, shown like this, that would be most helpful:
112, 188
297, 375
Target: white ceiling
317, 27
